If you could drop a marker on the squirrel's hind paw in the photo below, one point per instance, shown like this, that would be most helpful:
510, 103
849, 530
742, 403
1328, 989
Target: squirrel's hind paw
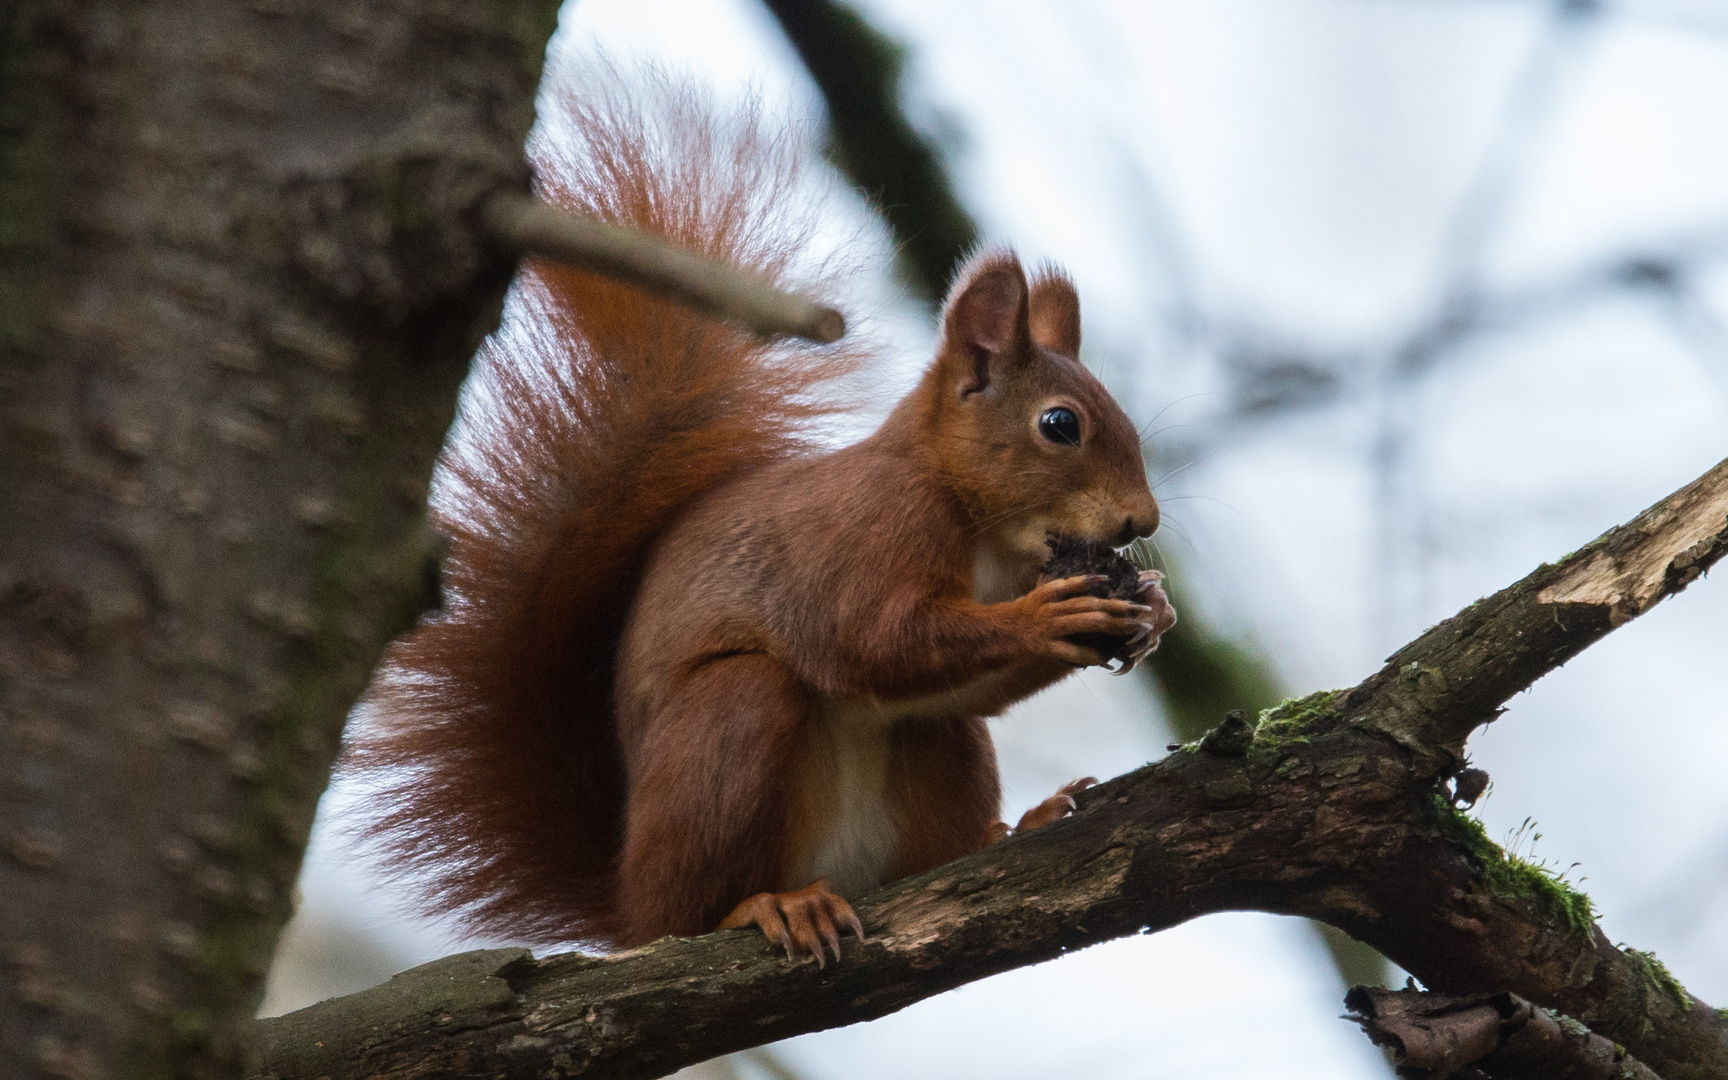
802, 922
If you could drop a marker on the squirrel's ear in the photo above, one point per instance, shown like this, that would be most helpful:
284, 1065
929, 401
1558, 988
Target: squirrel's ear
1055, 312
984, 325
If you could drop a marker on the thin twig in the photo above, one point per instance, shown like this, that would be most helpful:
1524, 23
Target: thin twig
535, 228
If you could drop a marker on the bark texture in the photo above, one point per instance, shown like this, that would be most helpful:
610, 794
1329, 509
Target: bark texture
240, 278
1333, 806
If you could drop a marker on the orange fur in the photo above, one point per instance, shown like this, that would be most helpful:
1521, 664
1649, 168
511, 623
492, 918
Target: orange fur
491, 743
687, 658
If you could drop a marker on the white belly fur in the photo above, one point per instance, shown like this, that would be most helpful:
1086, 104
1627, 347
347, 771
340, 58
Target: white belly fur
855, 852
857, 848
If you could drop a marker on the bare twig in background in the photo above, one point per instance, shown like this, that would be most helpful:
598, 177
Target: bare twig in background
1272, 378
1271, 375
1329, 808
532, 227
769, 1062
1500, 1035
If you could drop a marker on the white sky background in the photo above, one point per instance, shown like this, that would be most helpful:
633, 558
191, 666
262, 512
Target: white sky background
1289, 174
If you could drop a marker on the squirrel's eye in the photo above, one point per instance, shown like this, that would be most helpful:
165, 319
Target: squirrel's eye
1060, 426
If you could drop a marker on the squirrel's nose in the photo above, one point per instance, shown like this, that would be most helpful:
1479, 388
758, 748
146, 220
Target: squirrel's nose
1143, 523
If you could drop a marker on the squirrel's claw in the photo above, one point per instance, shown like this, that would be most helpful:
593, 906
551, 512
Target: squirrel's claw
804, 921
830, 936
1153, 603
1056, 807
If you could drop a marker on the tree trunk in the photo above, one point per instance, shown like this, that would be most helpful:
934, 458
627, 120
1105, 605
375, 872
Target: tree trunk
240, 279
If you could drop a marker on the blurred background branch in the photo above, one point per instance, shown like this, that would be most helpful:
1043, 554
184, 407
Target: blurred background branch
857, 69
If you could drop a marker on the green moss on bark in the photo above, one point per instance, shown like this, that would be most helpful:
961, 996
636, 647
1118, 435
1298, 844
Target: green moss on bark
1293, 721
1510, 878
1657, 978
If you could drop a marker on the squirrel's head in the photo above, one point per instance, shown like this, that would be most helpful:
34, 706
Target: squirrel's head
1033, 441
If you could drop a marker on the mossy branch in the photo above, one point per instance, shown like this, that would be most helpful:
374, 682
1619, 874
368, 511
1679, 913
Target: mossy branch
1327, 808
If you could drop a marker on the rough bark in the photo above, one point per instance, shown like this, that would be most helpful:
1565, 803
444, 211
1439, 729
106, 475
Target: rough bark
240, 278
1331, 807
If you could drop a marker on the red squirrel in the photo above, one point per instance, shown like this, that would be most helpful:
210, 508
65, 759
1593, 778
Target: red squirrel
694, 671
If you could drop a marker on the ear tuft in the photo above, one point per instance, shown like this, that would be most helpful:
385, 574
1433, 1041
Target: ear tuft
984, 320
1055, 311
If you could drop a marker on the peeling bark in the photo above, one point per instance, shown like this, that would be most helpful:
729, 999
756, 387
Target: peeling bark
1501, 1035
1331, 807
1509, 640
240, 278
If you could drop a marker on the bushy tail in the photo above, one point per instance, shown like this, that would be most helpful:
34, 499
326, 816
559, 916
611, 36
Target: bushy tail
487, 748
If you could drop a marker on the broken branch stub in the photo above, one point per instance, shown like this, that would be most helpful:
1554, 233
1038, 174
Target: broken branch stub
1454, 678
532, 227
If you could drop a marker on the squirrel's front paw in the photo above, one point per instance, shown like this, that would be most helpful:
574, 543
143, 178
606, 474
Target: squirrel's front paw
802, 921
1063, 609
1160, 617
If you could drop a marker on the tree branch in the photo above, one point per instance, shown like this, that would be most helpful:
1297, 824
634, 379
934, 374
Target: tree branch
1328, 808
1438, 689
532, 227
1501, 1035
